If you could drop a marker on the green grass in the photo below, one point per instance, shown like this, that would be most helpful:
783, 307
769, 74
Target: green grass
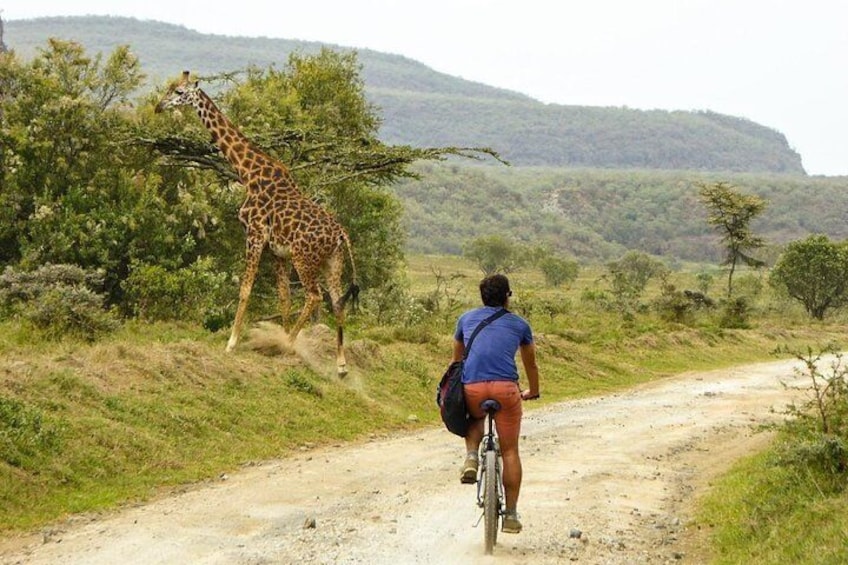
763, 513
89, 426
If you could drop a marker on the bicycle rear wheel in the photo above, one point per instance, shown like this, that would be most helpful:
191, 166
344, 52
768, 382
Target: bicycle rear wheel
490, 501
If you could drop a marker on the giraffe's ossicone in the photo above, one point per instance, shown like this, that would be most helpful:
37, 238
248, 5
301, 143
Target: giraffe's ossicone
277, 215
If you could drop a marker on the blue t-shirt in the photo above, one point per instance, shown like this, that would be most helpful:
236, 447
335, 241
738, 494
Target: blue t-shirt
492, 355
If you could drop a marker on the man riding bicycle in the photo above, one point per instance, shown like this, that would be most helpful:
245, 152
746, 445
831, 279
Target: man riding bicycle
490, 372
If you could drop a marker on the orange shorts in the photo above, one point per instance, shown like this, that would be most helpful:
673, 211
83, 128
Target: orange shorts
508, 418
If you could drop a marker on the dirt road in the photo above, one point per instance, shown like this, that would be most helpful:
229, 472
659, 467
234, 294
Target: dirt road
622, 470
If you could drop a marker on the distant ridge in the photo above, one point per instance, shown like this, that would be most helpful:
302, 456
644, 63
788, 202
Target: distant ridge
423, 107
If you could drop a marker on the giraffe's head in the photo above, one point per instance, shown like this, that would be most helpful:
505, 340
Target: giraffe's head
181, 93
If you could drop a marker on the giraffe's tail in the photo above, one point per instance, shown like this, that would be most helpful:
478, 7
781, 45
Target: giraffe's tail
352, 293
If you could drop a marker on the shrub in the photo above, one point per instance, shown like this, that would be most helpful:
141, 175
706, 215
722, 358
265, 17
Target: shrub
674, 306
628, 278
59, 300
735, 314
823, 456
394, 305
558, 271
71, 311
195, 293
17, 287
816, 433
827, 410
24, 434
549, 307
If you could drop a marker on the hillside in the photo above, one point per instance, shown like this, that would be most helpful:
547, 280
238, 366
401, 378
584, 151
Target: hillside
422, 107
597, 215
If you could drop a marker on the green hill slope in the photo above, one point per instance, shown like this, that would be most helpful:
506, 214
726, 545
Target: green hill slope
596, 215
422, 107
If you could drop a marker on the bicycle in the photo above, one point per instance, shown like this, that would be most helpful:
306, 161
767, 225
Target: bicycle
490, 492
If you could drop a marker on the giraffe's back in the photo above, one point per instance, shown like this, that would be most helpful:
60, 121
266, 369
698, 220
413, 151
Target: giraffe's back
303, 228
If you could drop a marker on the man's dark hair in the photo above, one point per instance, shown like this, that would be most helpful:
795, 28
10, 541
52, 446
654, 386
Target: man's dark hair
494, 290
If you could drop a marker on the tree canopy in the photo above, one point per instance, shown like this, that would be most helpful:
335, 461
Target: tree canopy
731, 213
495, 254
814, 271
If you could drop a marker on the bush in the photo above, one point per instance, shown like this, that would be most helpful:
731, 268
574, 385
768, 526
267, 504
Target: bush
558, 271
735, 314
19, 287
678, 306
394, 305
816, 434
24, 435
59, 300
195, 293
674, 306
548, 307
628, 278
827, 410
823, 456
71, 311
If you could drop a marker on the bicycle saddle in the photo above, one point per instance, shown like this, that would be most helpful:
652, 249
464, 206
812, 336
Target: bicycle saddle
490, 405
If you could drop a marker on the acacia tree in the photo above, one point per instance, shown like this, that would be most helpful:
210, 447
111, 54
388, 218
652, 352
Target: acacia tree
495, 254
814, 271
731, 213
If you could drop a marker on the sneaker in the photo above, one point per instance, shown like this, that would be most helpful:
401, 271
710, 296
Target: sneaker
469, 471
511, 523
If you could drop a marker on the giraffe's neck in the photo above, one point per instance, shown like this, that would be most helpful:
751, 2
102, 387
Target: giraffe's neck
245, 157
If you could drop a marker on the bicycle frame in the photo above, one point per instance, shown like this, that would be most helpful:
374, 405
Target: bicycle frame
489, 479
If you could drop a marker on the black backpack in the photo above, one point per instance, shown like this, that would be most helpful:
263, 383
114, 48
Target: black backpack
450, 396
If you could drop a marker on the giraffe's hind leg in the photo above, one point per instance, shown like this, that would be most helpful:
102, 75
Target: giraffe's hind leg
335, 267
309, 279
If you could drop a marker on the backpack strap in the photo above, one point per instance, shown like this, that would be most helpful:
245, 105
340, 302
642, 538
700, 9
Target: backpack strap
480, 326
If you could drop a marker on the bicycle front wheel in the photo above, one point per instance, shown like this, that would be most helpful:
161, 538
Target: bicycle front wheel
490, 500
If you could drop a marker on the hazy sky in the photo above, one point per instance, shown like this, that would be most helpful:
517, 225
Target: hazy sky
781, 63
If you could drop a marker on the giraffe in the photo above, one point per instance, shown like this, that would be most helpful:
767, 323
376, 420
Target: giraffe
277, 215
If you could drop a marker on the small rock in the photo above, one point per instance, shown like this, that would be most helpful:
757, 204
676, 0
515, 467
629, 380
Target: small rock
310, 523
575, 533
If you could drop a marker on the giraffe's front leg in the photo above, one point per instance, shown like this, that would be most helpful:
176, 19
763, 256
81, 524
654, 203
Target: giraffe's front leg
283, 275
254, 253
313, 298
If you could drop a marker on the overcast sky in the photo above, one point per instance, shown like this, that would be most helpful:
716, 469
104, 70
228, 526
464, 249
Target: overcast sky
781, 63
